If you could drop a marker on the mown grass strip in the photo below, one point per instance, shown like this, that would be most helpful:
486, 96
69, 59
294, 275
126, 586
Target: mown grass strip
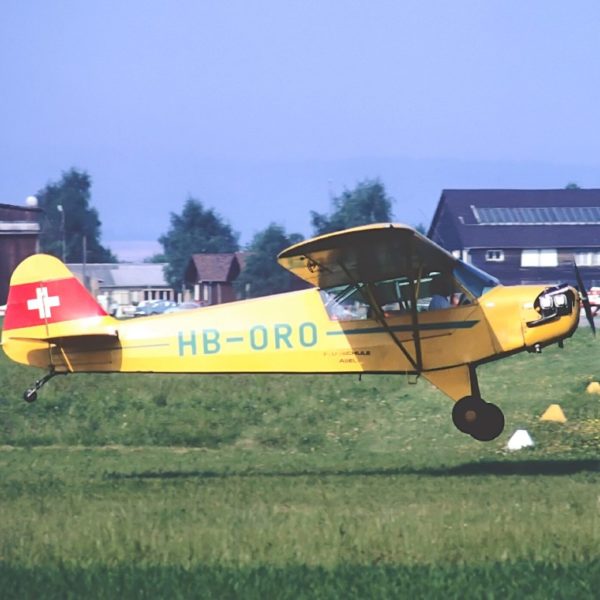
506, 581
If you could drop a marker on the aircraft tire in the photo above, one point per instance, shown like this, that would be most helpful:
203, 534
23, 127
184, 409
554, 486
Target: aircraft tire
466, 412
30, 395
491, 424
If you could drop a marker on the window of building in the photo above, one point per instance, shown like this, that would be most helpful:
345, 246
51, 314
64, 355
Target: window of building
546, 257
587, 259
494, 255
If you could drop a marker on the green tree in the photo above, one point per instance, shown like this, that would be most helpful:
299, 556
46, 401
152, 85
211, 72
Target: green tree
195, 230
68, 217
366, 203
262, 274
572, 186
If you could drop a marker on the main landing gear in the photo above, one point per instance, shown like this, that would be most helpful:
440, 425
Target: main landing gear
30, 395
480, 419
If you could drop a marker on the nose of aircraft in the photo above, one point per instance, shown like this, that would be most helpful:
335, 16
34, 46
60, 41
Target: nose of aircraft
558, 308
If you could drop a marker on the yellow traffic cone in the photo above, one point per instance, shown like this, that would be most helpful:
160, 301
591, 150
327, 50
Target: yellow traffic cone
554, 413
593, 388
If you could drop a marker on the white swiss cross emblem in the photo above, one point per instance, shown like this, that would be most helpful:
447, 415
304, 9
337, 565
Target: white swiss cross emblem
43, 303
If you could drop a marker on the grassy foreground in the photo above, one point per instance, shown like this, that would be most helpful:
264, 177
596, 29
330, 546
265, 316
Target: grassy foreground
291, 487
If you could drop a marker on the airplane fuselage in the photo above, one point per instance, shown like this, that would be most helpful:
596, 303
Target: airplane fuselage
293, 333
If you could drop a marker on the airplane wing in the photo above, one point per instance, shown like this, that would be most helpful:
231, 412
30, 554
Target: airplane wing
365, 254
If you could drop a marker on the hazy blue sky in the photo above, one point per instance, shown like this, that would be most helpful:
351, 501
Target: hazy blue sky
262, 109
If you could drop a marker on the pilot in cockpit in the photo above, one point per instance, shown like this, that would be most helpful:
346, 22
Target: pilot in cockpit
441, 290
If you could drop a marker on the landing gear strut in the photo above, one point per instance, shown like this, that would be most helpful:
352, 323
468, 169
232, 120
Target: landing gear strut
480, 419
30, 395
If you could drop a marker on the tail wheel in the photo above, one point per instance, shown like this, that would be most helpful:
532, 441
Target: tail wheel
30, 395
467, 413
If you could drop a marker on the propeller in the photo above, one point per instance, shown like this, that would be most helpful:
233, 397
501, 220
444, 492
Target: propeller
584, 299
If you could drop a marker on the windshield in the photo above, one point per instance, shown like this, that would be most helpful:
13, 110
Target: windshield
474, 280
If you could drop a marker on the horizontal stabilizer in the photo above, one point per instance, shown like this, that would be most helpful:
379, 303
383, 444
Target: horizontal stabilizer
68, 338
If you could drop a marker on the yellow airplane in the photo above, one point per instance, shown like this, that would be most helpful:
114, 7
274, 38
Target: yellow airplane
385, 300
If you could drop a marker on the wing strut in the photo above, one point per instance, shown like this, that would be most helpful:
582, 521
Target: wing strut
415, 320
370, 300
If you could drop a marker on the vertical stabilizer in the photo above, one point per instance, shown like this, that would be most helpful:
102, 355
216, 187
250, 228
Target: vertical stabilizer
47, 303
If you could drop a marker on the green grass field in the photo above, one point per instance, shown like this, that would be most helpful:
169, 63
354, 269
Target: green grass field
299, 487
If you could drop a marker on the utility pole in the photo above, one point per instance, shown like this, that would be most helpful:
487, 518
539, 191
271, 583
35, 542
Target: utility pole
84, 249
61, 210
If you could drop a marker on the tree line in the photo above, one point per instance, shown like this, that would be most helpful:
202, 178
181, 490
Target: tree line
198, 229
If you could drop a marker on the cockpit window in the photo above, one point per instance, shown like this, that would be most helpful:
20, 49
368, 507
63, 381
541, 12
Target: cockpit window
433, 291
474, 280
345, 303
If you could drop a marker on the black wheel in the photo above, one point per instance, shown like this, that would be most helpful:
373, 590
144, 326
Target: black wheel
467, 412
491, 424
30, 396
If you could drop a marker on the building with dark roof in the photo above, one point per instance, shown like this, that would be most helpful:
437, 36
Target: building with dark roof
19, 238
523, 236
212, 275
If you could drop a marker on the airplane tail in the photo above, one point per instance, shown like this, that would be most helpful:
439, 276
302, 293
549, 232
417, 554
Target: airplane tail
46, 305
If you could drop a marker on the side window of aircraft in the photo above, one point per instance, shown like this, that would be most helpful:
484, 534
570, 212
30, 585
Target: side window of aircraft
355, 302
393, 296
441, 288
434, 291
462, 286
345, 303
438, 291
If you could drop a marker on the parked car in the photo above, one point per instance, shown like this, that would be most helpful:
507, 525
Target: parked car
184, 306
153, 307
125, 311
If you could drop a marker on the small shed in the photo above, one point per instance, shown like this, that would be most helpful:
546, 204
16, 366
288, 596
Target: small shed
211, 276
523, 236
19, 238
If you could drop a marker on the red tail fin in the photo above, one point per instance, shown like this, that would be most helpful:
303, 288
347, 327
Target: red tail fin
43, 292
